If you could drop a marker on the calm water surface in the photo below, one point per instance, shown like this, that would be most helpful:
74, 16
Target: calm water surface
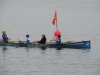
77, 20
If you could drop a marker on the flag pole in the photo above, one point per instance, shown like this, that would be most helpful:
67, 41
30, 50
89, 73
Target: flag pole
56, 20
56, 25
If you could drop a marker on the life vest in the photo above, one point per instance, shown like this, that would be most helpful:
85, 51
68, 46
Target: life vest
27, 41
58, 42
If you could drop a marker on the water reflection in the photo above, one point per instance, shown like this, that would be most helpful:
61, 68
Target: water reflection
27, 49
43, 48
58, 48
43, 51
4, 49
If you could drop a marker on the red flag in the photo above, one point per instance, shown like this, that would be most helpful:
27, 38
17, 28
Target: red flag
55, 18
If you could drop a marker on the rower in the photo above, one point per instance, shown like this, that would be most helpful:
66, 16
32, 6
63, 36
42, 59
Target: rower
4, 36
43, 39
27, 40
57, 40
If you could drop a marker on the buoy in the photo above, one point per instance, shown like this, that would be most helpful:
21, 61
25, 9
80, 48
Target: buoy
57, 32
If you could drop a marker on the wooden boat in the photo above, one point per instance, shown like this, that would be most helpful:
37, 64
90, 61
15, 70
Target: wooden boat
76, 45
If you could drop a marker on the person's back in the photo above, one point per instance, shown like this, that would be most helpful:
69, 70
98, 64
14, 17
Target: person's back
43, 40
27, 40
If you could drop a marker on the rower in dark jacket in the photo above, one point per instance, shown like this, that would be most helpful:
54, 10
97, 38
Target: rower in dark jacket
43, 39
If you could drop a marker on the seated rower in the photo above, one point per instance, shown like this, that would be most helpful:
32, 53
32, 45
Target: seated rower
27, 40
57, 40
43, 39
4, 36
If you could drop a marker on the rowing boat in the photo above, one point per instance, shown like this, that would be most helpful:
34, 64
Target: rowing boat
76, 45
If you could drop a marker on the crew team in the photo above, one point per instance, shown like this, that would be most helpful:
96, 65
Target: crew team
55, 40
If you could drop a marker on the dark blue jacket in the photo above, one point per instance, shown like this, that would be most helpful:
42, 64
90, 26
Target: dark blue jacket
5, 38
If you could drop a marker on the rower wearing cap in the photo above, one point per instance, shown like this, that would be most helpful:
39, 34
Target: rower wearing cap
4, 36
27, 40
43, 39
